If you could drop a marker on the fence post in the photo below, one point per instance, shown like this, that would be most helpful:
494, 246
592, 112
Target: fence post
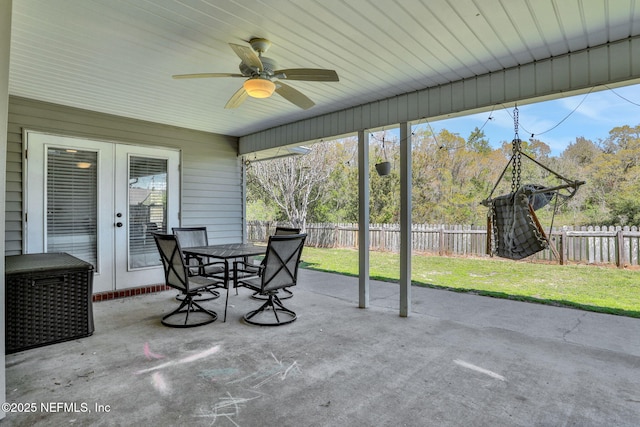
563, 247
441, 240
620, 258
335, 235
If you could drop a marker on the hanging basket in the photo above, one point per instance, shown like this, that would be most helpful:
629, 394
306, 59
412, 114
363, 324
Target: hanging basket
383, 168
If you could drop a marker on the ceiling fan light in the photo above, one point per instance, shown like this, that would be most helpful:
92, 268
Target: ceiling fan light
259, 88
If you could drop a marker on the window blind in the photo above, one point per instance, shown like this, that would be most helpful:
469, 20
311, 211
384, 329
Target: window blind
72, 203
147, 208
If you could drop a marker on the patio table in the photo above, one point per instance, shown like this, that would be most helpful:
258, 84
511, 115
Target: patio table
226, 252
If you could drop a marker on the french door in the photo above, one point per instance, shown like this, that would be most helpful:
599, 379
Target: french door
101, 202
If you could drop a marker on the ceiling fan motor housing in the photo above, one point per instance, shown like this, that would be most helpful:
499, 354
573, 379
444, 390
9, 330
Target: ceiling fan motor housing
269, 66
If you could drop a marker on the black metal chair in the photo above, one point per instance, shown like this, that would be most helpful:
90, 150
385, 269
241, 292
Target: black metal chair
197, 236
278, 270
280, 231
190, 237
283, 231
177, 275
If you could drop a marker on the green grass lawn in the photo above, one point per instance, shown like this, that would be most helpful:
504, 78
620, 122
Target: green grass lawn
593, 288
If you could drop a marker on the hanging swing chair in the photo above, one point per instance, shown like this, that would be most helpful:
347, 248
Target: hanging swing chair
513, 229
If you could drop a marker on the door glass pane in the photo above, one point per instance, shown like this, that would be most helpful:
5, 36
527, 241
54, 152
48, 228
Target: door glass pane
147, 209
72, 203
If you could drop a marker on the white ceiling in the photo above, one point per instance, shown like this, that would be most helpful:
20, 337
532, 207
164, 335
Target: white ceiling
117, 56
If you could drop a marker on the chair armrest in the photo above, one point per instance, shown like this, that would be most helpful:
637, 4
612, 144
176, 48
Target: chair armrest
209, 264
244, 270
207, 268
189, 257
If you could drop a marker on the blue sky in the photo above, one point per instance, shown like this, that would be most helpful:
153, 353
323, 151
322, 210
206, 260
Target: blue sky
590, 115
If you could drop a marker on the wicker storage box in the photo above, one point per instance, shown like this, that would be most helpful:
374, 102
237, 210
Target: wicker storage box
47, 300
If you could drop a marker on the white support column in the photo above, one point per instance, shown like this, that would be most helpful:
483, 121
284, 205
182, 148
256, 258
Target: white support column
363, 217
5, 44
243, 188
405, 219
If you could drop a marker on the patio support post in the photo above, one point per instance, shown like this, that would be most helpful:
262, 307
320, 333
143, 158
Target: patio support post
5, 43
243, 188
363, 217
405, 219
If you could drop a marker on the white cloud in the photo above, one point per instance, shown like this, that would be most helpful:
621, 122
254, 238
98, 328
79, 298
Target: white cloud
609, 107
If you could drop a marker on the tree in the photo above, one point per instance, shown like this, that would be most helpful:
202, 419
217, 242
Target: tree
616, 175
575, 163
478, 142
581, 152
339, 199
450, 177
293, 183
384, 191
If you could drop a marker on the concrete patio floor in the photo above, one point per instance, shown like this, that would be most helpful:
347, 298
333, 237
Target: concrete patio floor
458, 360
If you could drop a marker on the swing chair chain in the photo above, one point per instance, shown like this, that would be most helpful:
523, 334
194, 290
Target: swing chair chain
517, 166
517, 157
516, 170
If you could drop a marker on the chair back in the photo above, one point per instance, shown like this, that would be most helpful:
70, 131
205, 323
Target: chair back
281, 261
191, 236
175, 272
281, 231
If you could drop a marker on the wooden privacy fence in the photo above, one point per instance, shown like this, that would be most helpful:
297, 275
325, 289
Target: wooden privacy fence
593, 244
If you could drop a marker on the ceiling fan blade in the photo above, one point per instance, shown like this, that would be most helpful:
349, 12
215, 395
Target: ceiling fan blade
247, 55
308, 74
205, 75
294, 96
237, 98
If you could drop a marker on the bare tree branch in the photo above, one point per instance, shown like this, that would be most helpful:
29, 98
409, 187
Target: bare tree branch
294, 182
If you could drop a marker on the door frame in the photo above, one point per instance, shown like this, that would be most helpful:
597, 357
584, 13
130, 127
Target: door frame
124, 153
106, 209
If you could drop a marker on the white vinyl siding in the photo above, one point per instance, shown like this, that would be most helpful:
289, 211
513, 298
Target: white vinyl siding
211, 171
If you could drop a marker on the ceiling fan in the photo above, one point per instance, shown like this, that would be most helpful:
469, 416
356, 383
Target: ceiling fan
263, 78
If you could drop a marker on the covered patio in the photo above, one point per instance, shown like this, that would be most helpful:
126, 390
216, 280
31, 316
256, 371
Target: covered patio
99, 72
461, 360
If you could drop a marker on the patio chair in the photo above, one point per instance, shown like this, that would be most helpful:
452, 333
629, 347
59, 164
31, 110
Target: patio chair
278, 270
197, 236
177, 275
280, 231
